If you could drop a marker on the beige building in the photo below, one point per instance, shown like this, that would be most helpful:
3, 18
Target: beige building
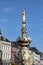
5, 46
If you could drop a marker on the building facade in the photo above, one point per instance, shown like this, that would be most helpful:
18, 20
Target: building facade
41, 59
36, 56
36, 59
5, 47
13, 52
1, 57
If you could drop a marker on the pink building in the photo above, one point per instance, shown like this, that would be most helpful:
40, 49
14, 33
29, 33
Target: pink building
13, 52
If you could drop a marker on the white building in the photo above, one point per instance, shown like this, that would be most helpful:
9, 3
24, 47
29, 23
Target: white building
41, 59
36, 54
5, 46
36, 59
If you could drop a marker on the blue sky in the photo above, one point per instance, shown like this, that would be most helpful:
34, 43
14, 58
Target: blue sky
11, 20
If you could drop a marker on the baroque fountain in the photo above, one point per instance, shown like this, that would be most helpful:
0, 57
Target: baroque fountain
24, 54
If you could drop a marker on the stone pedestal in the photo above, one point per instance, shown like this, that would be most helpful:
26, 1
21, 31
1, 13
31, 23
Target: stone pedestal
25, 56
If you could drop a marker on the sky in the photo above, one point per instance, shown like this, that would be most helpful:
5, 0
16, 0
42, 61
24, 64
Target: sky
11, 20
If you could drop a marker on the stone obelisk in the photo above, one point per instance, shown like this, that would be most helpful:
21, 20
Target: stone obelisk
23, 44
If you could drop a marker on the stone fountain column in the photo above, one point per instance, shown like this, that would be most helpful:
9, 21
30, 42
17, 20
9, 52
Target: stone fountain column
23, 53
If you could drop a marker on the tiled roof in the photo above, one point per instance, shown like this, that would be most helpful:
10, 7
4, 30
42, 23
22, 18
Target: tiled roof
35, 50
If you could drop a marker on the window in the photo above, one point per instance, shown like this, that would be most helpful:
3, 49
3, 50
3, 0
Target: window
4, 47
4, 55
8, 48
8, 55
